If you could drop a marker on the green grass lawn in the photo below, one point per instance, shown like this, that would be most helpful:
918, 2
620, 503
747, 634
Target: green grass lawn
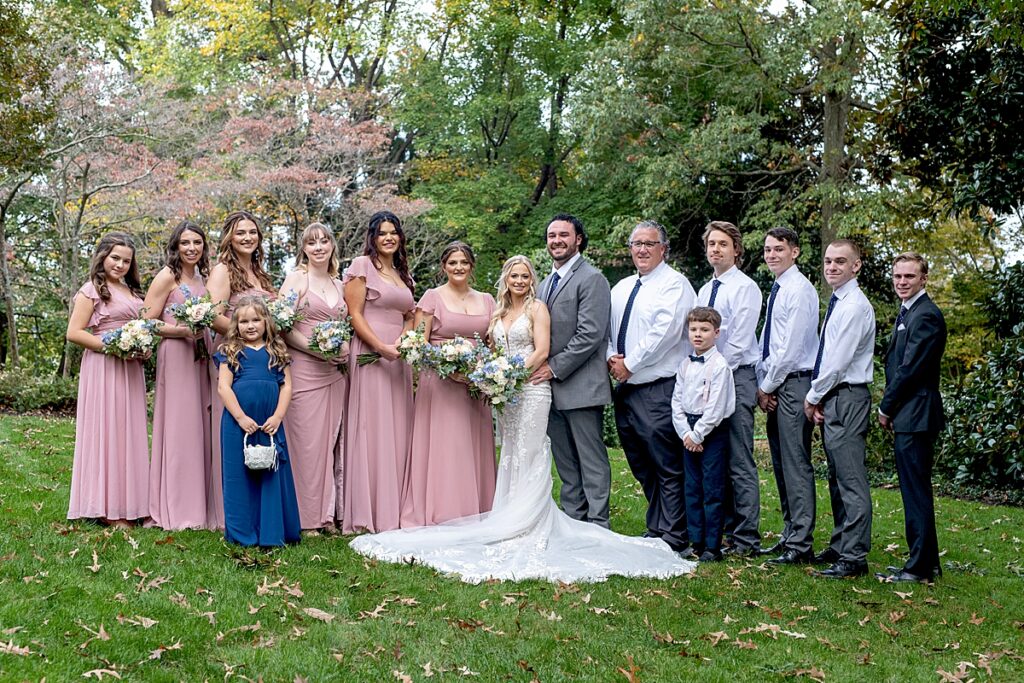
79, 600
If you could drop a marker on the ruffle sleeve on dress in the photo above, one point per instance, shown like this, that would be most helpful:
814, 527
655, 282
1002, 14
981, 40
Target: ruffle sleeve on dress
361, 267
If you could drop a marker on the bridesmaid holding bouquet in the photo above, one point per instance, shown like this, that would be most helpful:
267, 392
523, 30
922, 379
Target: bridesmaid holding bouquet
449, 478
379, 295
180, 468
110, 474
239, 272
319, 387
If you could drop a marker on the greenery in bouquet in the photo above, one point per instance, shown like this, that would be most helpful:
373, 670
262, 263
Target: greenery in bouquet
197, 313
134, 339
285, 312
498, 378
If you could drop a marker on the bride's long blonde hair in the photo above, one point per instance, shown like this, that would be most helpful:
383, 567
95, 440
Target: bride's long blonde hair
504, 299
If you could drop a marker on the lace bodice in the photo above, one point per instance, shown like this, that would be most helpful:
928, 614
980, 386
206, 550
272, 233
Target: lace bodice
517, 340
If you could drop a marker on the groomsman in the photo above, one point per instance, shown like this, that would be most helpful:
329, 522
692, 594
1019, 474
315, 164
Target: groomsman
789, 343
738, 300
840, 401
577, 295
912, 408
645, 347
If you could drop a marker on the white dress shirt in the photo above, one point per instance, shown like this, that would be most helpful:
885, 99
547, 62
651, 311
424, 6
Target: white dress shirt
793, 344
739, 303
656, 338
704, 389
849, 350
562, 273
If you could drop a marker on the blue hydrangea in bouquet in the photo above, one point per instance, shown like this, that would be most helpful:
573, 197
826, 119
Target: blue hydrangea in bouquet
329, 337
135, 339
453, 356
285, 312
197, 313
499, 378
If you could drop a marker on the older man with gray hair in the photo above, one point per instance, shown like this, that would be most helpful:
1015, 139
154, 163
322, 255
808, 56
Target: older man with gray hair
646, 344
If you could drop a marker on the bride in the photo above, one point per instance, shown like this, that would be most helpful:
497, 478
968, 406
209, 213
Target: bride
525, 535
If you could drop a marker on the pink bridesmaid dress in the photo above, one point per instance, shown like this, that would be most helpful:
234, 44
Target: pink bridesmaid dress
215, 487
379, 415
313, 421
179, 473
110, 474
451, 470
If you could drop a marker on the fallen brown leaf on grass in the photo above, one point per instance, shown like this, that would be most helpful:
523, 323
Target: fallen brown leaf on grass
402, 676
240, 629
632, 673
976, 620
814, 673
716, 637
159, 652
318, 614
100, 673
959, 675
101, 634
95, 566
745, 644
10, 648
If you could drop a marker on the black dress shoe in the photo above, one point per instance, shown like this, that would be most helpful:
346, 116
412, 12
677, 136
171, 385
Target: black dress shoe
746, 551
776, 549
826, 556
710, 556
844, 570
903, 576
687, 553
651, 534
791, 556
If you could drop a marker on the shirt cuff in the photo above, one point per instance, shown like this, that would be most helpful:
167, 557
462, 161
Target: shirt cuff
883, 414
693, 437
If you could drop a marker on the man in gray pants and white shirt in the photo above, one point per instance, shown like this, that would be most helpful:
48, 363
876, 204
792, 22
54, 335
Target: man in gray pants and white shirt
579, 299
738, 300
789, 345
840, 401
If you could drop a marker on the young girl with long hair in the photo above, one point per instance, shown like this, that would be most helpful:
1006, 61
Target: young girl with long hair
379, 295
443, 482
319, 388
255, 386
239, 272
110, 474
179, 471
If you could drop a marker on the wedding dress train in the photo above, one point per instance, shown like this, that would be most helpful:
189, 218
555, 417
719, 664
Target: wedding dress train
525, 535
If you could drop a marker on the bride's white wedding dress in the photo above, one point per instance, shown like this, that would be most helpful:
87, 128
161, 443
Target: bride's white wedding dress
525, 535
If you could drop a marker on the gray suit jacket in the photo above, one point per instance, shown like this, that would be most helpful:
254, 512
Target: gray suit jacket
580, 315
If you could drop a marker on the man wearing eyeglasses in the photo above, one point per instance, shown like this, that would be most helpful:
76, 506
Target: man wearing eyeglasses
646, 344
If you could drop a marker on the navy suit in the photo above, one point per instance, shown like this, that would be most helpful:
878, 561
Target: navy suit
912, 400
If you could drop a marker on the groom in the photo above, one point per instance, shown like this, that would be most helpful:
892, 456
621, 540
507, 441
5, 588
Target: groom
578, 297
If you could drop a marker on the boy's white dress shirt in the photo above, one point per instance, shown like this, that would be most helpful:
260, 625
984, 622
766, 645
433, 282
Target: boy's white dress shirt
704, 389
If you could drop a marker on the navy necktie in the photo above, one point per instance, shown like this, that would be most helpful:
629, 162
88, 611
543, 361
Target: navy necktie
899, 318
620, 343
715, 284
821, 342
766, 336
555, 277
696, 359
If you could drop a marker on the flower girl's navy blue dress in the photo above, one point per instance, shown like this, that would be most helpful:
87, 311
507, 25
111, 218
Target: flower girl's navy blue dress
259, 505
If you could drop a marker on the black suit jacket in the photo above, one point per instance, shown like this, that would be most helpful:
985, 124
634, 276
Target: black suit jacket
913, 364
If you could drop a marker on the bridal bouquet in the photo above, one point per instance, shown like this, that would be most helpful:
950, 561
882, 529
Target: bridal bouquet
411, 349
498, 378
458, 355
135, 338
197, 314
329, 336
284, 311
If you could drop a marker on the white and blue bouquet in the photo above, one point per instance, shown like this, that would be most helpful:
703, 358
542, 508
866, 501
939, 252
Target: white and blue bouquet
453, 356
328, 339
498, 378
134, 339
197, 313
284, 311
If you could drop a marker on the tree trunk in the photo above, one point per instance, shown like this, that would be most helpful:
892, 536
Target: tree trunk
6, 290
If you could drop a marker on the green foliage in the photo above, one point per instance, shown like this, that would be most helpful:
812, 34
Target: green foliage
1005, 305
956, 118
22, 391
984, 443
24, 74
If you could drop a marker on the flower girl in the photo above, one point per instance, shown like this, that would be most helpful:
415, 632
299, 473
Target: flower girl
255, 386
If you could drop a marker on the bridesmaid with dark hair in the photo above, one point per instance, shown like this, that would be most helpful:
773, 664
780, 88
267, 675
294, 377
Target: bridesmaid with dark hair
319, 388
449, 478
239, 272
179, 471
379, 294
110, 474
